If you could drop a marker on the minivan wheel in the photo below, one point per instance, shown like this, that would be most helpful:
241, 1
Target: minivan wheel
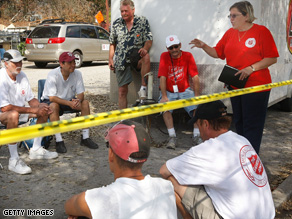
79, 61
40, 64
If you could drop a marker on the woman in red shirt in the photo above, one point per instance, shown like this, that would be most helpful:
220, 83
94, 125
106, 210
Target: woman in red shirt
250, 48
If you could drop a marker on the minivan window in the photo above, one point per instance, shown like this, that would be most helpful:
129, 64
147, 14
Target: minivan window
102, 34
45, 32
73, 32
88, 32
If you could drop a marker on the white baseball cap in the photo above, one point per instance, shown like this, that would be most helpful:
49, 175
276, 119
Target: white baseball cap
12, 55
172, 40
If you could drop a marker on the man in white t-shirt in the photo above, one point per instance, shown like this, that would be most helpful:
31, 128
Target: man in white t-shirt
15, 92
221, 177
132, 195
64, 91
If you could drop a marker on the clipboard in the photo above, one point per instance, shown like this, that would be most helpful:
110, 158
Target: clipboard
227, 77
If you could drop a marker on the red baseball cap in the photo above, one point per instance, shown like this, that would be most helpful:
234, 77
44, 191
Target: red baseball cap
67, 57
128, 137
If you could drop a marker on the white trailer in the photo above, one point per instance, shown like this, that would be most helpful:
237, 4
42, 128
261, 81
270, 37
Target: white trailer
207, 20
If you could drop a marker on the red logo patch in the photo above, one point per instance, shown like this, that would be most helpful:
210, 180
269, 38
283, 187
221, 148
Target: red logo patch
22, 92
252, 166
171, 39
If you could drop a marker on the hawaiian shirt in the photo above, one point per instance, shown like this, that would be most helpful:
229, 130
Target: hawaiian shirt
126, 40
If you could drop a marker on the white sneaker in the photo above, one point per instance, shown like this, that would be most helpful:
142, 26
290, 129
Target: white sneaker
42, 153
171, 143
18, 166
142, 94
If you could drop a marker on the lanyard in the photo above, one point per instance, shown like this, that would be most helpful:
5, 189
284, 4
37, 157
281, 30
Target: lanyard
172, 68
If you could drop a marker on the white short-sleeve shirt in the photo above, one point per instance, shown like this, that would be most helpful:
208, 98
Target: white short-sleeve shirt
12, 92
65, 89
130, 198
232, 174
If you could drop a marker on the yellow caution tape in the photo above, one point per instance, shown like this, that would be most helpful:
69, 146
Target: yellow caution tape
23, 133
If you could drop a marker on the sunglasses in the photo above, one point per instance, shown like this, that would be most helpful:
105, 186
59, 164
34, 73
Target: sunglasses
174, 46
233, 16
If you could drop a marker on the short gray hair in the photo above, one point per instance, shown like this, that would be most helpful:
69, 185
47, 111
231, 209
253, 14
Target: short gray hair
127, 2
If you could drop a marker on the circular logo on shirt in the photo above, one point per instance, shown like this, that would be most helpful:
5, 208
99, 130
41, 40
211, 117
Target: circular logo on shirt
250, 42
22, 92
252, 166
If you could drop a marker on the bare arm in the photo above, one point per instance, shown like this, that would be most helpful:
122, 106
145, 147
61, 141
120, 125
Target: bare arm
35, 108
77, 206
196, 85
111, 56
164, 172
162, 84
145, 49
208, 49
264, 63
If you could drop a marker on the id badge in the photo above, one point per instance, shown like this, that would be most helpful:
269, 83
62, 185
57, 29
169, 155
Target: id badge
175, 88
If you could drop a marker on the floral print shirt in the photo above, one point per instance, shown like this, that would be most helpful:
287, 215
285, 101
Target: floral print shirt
125, 40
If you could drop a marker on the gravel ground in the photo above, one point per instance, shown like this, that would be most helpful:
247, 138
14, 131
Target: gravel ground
54, 181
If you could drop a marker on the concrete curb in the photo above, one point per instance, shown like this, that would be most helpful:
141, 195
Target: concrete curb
283, 192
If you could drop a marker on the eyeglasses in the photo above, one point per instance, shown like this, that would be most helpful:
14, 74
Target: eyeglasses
233, 16
174, 46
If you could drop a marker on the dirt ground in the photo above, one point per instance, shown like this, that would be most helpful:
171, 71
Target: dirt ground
52, 182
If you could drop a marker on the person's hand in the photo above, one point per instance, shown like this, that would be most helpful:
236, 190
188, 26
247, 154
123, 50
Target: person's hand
111, 64
75, 104
143, 52
197, 43
44, 110
244, 73
164, 99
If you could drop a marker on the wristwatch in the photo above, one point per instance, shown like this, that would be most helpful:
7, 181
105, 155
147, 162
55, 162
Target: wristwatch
252, 68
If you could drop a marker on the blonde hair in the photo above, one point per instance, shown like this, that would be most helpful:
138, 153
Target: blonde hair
245, 8
127, 2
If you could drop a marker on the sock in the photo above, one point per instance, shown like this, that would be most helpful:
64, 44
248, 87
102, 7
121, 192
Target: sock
171, 132
37, 143
85, 133
196, 132
58, 137
143, 87
13, 151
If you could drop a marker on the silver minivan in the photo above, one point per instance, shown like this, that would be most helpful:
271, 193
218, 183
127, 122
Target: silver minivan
52, 37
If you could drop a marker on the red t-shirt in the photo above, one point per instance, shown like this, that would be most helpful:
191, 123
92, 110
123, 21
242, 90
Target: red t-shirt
183, 66
256, 44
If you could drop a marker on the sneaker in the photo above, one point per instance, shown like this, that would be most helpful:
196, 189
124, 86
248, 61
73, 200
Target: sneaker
60, 147
88, 143
171, 144
197, 140
42, 153
18, 166
142, 94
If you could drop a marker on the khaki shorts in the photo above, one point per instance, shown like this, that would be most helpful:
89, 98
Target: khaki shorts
198, 203
124, 77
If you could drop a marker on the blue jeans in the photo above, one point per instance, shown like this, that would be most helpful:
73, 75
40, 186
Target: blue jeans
249, 115
188, 93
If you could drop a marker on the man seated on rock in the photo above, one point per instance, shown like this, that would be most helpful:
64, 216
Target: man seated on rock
63, 91
223, 177
132, 195
15, 92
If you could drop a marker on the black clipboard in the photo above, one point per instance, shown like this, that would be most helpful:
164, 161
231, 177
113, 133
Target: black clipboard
227, 77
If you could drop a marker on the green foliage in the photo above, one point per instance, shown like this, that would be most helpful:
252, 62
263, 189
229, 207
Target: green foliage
21, 48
